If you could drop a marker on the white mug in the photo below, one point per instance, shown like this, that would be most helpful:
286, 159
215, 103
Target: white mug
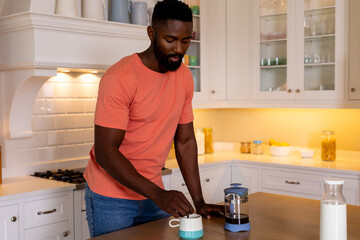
190, 227
93, 9
67, 8
140, 15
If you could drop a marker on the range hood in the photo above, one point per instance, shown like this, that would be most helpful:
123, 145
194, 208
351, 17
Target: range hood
34, 46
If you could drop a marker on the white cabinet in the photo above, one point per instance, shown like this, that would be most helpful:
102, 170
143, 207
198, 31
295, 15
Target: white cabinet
299, 49
247, 175
354, 63
178, 183
9, 223
213, 182
55, 231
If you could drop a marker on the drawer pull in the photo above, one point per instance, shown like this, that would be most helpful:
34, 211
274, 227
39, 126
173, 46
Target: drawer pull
13, 219
66, 233
183, 184
47, 212
292, 182
207, 180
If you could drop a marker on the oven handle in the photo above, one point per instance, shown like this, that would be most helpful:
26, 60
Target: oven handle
46, 212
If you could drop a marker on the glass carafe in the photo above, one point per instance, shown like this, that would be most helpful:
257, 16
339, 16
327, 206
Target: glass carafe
333, 211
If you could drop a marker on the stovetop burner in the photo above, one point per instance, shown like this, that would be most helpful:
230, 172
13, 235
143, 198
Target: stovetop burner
70, 176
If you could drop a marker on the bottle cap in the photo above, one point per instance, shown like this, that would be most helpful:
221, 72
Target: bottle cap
335, 181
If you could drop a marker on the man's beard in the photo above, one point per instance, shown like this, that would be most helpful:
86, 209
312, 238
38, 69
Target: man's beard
165, 59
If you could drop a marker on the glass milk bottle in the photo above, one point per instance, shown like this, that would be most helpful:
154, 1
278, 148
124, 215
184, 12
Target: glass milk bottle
333, 211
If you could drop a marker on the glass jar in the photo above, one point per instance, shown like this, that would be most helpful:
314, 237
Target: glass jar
328, 146
245, 147
333, 211
257, 147
200, 140
208, 140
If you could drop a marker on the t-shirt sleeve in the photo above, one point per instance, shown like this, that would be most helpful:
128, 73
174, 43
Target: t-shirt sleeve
114, 100
187, 115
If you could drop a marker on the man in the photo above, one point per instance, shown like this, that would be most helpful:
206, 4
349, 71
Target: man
144, 103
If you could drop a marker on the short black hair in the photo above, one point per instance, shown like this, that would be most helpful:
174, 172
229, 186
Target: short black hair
171, 9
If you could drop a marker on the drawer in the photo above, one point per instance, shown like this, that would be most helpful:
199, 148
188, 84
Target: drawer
59, 231
46, 211
291, 181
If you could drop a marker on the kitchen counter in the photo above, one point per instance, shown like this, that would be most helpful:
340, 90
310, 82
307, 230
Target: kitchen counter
18, 187
346, 161
271, 217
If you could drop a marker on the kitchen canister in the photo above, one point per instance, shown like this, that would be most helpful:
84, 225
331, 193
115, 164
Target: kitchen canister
140, 14
67, 8
328, 146
200, 140
120, 11
93, 9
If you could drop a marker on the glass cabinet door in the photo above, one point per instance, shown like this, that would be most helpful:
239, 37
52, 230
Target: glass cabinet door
319, 45
273, 45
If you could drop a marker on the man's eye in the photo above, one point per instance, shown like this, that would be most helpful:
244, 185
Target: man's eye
170, 40
186, 41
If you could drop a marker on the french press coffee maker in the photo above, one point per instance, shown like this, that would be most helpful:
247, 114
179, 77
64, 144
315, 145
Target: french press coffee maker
236, 208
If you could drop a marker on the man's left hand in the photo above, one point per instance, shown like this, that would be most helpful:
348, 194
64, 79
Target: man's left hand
206, 210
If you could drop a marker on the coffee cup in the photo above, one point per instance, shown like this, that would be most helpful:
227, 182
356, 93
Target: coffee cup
193, 61
195, 9
119, 11
190, 227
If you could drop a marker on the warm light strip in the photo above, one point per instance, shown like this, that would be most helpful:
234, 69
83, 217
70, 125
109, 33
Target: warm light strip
76, 70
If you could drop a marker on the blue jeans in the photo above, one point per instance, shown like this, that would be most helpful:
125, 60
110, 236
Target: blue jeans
106, 214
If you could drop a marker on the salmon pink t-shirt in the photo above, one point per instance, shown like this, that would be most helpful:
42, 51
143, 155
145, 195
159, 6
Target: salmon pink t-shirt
149, 105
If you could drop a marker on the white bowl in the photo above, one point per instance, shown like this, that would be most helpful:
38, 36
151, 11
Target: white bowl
306, 153
280, 151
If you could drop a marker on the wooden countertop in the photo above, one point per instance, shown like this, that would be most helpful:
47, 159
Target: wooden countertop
271, 217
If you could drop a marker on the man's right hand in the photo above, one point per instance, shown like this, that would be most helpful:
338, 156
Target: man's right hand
173, 202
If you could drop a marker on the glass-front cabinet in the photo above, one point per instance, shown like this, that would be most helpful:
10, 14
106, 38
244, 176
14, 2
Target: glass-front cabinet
299, 49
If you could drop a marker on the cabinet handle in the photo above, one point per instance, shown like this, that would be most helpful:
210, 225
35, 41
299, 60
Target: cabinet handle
47, 212
297, 90
292, 182
183, 184
207, 179
66, 233
13, 219
289, 90
352, 89
212, 91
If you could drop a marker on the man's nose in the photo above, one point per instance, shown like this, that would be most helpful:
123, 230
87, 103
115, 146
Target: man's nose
178, 48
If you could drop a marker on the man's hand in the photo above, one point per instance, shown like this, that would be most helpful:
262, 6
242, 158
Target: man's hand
173, 202
206, 209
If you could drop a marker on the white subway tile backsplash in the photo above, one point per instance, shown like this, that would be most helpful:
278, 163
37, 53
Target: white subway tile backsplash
64, 152
43, 122
75, 136
90, 105
56, 106
85, 120
17, 157
65, 90
47, 90
82, 150
90, 135
39, 107
38, 139
46, 154
85, 90
76, 106
56, 137
66, 121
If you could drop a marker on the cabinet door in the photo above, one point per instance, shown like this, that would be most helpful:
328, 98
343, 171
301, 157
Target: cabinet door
354, 75
56, 231
320, 59
247, 176
213, 182
9, 223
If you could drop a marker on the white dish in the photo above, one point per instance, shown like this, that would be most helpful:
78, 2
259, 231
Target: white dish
280, 151
306, 153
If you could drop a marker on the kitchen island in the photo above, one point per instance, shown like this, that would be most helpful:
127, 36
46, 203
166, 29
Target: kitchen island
271, 217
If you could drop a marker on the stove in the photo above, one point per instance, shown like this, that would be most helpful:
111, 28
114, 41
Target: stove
69, 176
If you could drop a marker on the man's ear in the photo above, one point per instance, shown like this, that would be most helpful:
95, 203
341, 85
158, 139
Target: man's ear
151, 33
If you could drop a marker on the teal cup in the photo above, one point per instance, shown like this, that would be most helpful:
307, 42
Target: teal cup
195, 9
189, 227
193, 61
